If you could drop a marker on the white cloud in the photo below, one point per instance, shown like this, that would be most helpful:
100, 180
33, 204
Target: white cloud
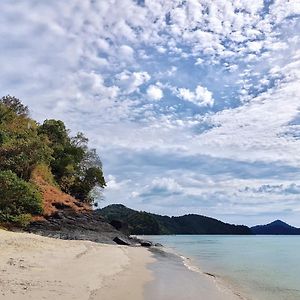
130, 82
255, 46
256, 130
126, 52
154, 92
199, 61
201, 96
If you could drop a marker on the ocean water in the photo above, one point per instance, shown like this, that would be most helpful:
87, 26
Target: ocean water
257, 267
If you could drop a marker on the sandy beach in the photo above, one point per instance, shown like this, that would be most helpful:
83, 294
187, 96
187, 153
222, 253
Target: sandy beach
36, 267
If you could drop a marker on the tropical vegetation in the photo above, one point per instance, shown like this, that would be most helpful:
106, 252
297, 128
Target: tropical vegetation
26, 145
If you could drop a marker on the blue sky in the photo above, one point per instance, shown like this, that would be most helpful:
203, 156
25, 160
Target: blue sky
192, 105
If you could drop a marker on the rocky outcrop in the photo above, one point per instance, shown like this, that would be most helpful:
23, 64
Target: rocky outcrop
70, 225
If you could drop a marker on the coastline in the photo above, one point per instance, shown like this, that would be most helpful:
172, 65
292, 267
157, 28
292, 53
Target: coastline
36, 267
177, 278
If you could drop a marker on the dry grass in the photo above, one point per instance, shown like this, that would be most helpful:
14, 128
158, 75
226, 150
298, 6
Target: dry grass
53, 197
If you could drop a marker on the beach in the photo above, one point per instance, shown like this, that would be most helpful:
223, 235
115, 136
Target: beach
36, 267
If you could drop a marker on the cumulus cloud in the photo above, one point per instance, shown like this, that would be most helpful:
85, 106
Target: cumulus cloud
201, 96
130, 82
154, 92
126, 52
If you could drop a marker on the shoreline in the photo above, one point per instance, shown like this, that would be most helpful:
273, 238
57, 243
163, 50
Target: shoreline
36, 267
177, 278
220, 282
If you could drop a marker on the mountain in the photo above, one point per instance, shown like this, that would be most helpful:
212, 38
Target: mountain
138, 222
275, 228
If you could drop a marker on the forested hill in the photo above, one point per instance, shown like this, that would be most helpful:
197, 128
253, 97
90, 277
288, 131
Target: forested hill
42, 167
276, 228
135, 222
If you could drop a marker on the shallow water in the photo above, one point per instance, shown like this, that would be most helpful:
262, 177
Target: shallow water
258, 267
174, 281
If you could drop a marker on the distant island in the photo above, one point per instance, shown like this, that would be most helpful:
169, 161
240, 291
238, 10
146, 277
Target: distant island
143, 223
275, 228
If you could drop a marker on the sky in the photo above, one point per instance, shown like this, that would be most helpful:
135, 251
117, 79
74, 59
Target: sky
192, 105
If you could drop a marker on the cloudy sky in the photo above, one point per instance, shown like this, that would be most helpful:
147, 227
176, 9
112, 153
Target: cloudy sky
193, 105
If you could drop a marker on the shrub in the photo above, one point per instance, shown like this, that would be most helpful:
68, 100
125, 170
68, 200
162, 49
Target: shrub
18, 199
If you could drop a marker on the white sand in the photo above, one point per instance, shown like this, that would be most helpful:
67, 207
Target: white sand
35, 267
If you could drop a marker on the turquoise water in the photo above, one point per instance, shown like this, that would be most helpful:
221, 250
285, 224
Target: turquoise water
258, 267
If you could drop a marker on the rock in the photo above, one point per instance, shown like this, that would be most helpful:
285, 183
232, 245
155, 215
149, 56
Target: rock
69, 225
158, 245
121, 241
146, 243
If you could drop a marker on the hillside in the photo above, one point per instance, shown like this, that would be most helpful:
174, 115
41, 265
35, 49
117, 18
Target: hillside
135, 222
53, 199
43, 169
276, 228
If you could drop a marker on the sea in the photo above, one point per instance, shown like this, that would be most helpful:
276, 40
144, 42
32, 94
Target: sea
255, 267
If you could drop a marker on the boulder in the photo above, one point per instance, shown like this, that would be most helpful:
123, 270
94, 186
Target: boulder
121, 241
146, 243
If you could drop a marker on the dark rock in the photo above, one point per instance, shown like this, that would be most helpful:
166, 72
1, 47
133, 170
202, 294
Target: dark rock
69, 225
158, 245
146, 243
121, 241
60, 205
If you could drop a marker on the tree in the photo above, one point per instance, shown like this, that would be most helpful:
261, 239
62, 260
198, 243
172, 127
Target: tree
22, 154
56, 132
15, 105
76, 168
21, 148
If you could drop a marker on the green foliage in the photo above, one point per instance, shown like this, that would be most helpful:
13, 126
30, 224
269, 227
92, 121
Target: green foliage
77, 169
22, 220
10, 108
21, 147
143, 223
14, 105
137, 222
18, 198
21, 153
46, 150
